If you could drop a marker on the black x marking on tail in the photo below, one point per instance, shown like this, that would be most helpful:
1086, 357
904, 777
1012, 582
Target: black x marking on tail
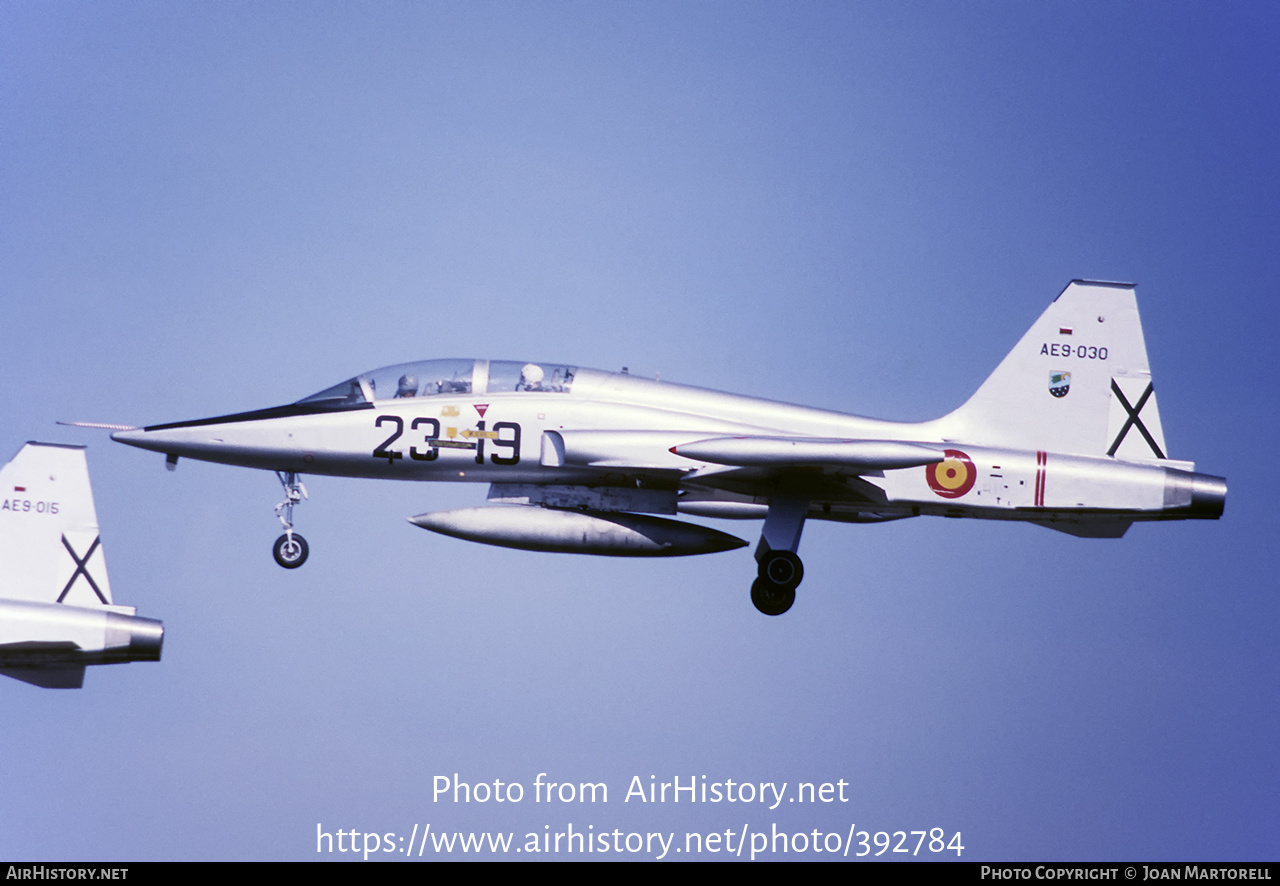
80, 568
1133, 420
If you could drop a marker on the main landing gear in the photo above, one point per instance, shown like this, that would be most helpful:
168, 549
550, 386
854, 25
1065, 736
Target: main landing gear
779, 570
774, 590
290, 549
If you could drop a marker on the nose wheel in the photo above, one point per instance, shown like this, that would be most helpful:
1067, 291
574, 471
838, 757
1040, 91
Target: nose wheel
290, 549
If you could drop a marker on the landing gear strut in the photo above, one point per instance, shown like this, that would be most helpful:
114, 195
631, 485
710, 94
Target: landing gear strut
779, 569
290, 549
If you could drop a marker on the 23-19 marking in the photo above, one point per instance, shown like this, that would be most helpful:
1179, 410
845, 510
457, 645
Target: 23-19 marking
431, 438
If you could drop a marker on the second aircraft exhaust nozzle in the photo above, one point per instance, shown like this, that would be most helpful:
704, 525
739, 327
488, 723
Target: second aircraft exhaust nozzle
1208, 496
1198, 496
145, 636
613, 534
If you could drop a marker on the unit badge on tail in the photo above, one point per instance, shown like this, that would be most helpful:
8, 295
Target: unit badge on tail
1059, 383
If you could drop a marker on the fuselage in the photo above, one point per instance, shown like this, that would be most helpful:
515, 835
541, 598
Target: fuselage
489, 435
539, 424
1064, 433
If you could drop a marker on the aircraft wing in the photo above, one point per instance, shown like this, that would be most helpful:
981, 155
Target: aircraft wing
749, 467
681, 450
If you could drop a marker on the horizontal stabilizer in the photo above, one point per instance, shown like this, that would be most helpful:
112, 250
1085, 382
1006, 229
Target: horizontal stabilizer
796, 452
64, 677
1088, 529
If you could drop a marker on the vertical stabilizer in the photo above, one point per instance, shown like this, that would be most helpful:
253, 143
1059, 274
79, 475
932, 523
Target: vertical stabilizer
1077, 382
50, 551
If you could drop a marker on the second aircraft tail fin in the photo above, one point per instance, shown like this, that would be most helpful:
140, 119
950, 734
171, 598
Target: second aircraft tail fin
1077, 382
50, 551
56, 612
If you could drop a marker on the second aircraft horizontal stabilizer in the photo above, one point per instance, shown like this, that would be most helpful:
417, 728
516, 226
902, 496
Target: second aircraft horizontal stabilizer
860, 455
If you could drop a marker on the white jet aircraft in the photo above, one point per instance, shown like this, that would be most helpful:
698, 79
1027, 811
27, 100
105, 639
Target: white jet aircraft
56, 615
1065, 433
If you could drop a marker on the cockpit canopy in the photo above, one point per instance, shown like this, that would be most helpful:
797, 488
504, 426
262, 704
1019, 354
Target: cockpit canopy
428, 378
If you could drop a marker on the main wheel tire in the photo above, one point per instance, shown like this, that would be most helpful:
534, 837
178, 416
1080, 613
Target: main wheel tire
771, 600
782, 569
290, 554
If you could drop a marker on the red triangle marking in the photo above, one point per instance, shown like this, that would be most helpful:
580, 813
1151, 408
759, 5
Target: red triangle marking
480, 408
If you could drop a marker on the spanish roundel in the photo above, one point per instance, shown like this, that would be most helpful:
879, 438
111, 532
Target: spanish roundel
953, 476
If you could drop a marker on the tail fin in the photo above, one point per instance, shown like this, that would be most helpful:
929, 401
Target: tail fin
56, 613
50, 551
1077, 382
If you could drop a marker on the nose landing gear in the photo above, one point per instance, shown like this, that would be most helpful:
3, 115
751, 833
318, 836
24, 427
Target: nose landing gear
290, 549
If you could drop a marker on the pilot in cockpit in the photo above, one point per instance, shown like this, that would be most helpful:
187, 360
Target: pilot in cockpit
407, 386
531, 376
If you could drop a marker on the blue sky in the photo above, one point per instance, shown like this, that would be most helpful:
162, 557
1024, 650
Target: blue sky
214, 207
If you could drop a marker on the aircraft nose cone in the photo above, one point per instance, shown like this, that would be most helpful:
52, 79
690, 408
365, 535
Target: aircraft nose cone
144, 439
